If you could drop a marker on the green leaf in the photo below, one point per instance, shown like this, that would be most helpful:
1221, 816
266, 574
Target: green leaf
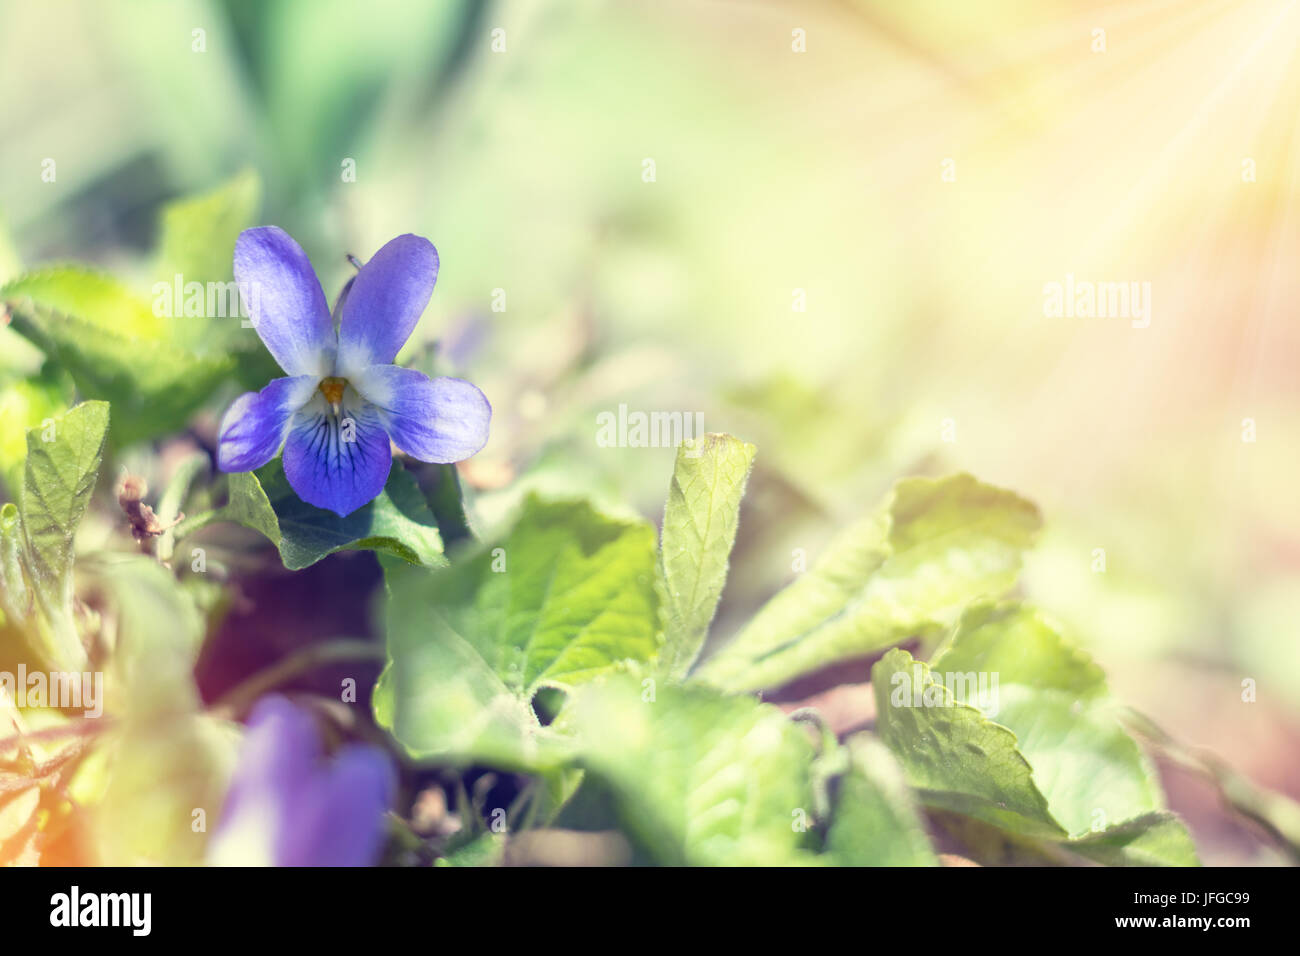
699, 778
398, 522
875, 820
1153, 839
1021, 645
486, 849
952, 755
63, 460
198, 233
699, 529
99, 300
908, 569
1052, 695
114, 347
1158, 838
247, 504
197, 242
1092, 773
446, 501
568, 596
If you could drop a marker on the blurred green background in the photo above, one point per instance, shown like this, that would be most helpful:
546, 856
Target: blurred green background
918, 172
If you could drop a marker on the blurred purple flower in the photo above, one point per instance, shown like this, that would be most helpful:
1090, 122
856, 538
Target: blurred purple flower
343, 399
287, 806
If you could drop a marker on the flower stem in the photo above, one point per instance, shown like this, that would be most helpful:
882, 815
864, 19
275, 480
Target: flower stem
169, 505
242, 696
195, 523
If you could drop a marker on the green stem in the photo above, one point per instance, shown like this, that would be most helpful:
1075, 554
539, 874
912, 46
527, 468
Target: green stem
196, 523
169, 505
239, 698
55, 629
69, 652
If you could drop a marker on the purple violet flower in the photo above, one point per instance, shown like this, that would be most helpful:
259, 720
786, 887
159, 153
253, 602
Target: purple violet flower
288, 807
343, 399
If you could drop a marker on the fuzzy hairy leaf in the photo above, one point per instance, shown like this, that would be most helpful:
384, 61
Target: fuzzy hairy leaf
1092, 773
567, 596
398, 522
1022, 646
247, 504
699, 778
952, 755
876, 822
1053, 697
63, 461
197, 233
196, 237
907, 569
699, 530
114, 347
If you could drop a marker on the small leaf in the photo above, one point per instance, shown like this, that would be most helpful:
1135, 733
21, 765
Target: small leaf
908, 569
398, 522
1017, 642
1088, 768
954, 757
875, 821
62, 465
699, 529
196, 245
114, 347
100, 300
566, 597
198, 233
699, 778
1052, 695
248, 505
442, 490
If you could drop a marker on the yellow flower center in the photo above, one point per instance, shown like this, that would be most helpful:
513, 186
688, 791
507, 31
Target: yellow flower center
332, 389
